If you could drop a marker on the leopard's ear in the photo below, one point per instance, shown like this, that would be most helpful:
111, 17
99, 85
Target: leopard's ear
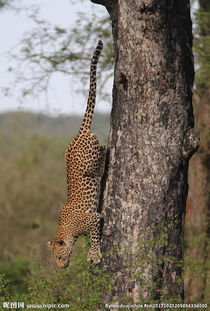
49, 244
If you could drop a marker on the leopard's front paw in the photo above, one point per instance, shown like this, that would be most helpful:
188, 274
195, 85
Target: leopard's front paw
94, 255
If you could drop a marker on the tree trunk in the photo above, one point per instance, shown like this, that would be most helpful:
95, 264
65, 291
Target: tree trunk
197, 236
150, 143
197, 282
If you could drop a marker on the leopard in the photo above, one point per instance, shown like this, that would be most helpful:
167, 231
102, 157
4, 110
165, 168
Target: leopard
85, 161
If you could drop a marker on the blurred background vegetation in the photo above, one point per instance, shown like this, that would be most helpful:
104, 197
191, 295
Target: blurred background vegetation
32, 187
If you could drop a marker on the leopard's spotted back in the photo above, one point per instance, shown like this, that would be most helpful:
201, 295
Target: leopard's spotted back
83, 158
84, 165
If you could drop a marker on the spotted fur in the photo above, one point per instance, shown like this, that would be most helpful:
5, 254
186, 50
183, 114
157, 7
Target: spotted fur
84, 164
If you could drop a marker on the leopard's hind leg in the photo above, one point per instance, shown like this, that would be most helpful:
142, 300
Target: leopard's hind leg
94, 253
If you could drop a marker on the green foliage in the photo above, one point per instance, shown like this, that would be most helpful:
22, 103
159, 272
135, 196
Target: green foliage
15, 271
4, 288
81, 286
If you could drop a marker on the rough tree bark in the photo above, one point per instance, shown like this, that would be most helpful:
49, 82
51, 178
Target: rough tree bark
150, 143
197, 282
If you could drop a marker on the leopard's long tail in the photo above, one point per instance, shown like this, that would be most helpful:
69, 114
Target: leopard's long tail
86, 123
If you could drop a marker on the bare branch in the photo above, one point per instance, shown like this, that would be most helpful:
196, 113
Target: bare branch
102, 2
56, 49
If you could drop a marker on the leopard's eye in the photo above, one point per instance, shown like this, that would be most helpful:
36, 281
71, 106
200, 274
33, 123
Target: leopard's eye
59, 258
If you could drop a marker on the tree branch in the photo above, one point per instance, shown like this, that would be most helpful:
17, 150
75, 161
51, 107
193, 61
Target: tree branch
102, 2
106, 3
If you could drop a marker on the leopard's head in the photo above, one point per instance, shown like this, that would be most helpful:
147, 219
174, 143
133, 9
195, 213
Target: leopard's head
61, 251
